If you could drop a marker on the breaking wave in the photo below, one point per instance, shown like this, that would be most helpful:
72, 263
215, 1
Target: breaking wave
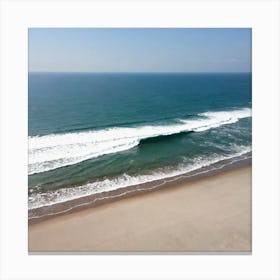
58, 150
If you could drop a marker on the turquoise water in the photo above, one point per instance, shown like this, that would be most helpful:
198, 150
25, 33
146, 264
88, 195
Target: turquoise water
91, 133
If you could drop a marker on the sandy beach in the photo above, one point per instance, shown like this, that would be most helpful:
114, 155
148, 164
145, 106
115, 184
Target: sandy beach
210, 214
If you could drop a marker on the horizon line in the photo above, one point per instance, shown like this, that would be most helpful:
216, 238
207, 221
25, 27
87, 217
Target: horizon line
143, 72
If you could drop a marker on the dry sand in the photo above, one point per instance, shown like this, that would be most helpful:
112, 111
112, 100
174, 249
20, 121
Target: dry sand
211, 214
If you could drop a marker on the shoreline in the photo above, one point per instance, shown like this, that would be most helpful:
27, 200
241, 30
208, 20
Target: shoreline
209, 214
43, 213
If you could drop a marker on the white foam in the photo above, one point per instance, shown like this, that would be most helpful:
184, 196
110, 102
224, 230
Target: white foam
61, 195
57, 150
216, 119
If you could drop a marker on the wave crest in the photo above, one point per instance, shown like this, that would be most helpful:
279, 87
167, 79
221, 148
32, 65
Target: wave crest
57, 150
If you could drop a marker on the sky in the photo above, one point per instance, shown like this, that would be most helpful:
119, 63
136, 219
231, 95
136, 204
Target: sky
139, 49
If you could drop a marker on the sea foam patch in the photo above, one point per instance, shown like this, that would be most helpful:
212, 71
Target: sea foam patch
37, 199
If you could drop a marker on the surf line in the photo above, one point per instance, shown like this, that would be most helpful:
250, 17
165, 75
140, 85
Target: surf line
165, 181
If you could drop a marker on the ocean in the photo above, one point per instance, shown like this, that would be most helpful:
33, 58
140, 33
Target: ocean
91, 133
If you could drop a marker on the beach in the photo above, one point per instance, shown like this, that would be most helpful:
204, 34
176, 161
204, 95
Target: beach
208, 214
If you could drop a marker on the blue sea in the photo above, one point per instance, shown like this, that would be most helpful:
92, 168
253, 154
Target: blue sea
95, 132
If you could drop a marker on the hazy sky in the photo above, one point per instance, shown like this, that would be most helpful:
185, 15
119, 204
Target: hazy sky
139, 50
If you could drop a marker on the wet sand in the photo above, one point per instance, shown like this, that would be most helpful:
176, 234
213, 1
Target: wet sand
210, 214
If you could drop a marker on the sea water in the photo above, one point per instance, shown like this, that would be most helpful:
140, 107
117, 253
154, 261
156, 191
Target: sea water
95, 132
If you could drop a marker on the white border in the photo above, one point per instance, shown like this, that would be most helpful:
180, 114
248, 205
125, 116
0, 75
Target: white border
262, 16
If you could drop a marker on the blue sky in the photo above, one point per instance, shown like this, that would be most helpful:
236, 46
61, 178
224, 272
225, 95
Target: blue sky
140, 49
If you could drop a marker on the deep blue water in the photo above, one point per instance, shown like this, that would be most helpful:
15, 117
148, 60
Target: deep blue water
95, 132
